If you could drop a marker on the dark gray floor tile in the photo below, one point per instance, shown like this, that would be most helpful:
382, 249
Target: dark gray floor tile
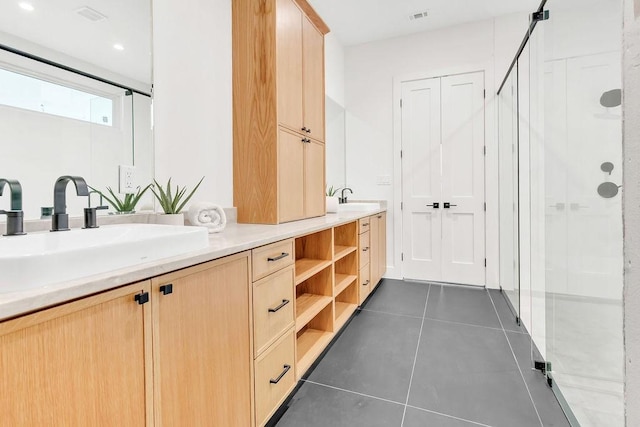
398, 297
318, 406
374, 356
543, 397
469, 372
461, 304
507, 317
417, 418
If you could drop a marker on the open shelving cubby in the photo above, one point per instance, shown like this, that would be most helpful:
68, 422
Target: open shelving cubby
313, 254
314, 296
345, 240
345, 257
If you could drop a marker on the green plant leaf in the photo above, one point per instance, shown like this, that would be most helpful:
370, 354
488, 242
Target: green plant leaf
172, 202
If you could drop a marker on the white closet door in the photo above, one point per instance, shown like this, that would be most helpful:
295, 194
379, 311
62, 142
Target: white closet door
463, 224
421, 176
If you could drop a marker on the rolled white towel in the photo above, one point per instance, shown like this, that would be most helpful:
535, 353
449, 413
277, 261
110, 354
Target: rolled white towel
207, 215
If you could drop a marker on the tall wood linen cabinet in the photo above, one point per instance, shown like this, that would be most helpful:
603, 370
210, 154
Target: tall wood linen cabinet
278, 111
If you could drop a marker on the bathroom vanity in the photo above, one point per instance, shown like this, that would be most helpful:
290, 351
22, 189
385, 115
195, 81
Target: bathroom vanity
217, 336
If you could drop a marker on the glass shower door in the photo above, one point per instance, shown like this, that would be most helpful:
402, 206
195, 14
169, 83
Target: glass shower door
580, 160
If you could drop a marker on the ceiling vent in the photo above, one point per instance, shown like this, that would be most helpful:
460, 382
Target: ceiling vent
418, 15
91, 14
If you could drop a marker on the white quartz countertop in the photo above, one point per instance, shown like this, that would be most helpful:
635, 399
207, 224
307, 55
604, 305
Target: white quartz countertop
234, 239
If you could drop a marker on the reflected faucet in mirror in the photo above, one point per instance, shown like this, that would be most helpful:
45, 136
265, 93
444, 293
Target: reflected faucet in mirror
15, 216
60, 218
343, 199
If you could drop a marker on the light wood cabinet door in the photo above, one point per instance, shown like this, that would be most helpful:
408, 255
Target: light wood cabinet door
289, 64
374, 251
313, 79
291, 185
79, 364
202, 345
314, 179
382, 252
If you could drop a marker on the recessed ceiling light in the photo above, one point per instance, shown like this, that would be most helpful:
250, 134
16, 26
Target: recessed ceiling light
118, 46
26, 6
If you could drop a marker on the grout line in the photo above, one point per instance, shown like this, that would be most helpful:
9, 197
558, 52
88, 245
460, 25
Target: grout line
392, 314
449, 416
471, 324
415, 358
352, 392
516, 360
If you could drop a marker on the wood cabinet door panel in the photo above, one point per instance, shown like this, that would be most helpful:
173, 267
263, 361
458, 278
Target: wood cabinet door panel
289, 64
202, 345
374, 251
290, 176
78, 364
313, 79
314, 180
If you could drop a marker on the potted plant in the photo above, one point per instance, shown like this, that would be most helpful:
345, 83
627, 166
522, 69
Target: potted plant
172, 202
332, 199
125, 205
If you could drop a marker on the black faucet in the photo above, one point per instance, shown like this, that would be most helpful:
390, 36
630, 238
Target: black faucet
60, 218
90, 214
15, 216
343, 199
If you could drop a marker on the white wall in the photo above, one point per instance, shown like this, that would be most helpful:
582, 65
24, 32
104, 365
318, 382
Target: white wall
631, 208
370, 70
334, 68
193, 96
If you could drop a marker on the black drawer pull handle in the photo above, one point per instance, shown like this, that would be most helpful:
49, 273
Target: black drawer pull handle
366, 224
279, 257
365, 283
284, 302
277, 380
365, 249
379, 216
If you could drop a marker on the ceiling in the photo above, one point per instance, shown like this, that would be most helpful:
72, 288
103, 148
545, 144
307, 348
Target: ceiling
56, 25
361, 21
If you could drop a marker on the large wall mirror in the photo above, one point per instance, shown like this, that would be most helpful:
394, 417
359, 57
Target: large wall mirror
335, 144
57, 122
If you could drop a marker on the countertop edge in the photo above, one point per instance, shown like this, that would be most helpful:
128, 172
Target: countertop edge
245, 236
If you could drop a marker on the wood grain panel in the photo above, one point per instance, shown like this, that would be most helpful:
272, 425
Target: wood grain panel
313, 16
261, 264
202, 345
270, 293
291, 176
269, 367
78, 364
289, 54
313, 80
255, 160
314, 179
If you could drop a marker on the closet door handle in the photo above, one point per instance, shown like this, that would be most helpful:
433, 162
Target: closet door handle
284, 302
282, 374
435, 205
447, 205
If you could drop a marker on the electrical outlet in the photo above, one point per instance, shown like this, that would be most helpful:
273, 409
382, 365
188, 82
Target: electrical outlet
127, 182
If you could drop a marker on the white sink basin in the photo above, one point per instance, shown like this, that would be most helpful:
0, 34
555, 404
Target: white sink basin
41, 259
358, 206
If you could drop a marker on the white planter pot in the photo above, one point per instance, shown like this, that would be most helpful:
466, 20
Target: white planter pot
170, 219
332, 204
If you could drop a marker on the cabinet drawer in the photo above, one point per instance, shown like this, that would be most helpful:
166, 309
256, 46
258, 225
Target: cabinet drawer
364, 249
364, 283
270, 258
272, 308
275, 377
364, 225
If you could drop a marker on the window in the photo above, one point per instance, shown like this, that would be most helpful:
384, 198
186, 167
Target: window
30, 93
